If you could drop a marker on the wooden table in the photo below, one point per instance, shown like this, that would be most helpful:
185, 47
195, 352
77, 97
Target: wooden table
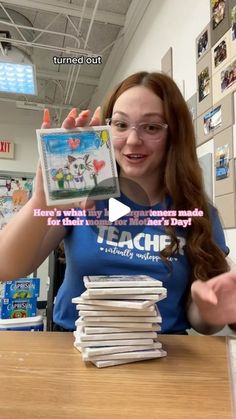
42, 376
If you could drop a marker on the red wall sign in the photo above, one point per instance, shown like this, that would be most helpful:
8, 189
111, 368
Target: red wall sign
6, 149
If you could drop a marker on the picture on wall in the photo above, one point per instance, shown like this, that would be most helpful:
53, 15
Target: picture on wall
14, 193
220, 53
222, 162
233, 23
228, 76
218, 11
203, 84
202, 44
212, 120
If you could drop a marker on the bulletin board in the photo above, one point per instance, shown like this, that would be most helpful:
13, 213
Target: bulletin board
216, 103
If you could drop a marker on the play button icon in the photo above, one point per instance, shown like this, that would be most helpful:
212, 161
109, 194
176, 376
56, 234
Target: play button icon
117, 217
117, 209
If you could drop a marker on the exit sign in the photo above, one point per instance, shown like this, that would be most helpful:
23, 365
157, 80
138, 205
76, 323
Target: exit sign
6, 149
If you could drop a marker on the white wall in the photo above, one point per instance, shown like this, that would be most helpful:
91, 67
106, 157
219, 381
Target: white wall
172, 23
166, 23
19, 126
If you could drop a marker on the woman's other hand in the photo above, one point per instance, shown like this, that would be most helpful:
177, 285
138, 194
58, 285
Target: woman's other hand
216, 299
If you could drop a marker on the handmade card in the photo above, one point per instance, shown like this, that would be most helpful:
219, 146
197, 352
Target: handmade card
120, 281
77, 164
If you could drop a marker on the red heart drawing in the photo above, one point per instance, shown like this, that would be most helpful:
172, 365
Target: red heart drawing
73, 143
98, 165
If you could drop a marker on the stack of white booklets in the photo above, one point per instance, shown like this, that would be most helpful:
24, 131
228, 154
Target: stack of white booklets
119, 319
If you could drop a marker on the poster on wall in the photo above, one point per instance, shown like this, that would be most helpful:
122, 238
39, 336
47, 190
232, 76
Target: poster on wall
14, 193
222, 162
218, 8
203, 84
212, 120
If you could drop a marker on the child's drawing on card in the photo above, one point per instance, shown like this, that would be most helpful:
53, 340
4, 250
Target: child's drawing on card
77, 163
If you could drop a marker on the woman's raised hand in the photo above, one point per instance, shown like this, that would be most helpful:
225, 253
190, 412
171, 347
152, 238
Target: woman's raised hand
83, 119
73, 120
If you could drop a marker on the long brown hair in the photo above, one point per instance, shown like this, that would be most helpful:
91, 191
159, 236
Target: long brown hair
182, 177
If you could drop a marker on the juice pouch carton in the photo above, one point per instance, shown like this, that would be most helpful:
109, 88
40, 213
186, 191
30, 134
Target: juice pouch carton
21, 288
17, 308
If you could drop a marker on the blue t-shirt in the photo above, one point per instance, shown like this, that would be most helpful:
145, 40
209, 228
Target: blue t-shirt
128, 250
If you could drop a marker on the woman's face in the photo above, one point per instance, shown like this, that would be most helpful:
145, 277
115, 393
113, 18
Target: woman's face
140, 151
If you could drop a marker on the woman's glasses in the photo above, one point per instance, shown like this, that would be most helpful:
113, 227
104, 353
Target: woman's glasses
147, 131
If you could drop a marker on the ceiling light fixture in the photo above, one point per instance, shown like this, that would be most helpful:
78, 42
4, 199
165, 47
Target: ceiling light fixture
17, 73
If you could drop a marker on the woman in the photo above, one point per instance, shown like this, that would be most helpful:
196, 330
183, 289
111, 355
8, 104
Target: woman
155, 148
